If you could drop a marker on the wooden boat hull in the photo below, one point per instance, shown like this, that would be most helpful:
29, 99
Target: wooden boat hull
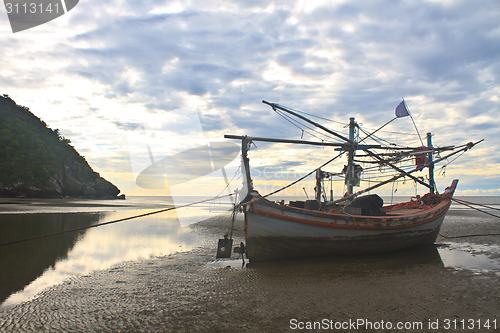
278, 231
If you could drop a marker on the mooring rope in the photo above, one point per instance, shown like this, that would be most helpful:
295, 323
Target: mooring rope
476, 204
469, 204
114, 221
470, 235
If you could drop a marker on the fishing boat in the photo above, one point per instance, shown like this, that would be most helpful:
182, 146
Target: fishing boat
356, 223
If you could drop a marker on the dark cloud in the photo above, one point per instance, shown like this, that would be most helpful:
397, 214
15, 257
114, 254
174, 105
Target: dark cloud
485, 127
127, 125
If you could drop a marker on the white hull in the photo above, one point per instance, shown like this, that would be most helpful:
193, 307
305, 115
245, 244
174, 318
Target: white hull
276, 231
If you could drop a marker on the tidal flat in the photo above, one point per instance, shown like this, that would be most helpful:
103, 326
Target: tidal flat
159, 276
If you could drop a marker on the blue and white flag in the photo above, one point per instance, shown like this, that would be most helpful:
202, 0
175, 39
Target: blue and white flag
401, 110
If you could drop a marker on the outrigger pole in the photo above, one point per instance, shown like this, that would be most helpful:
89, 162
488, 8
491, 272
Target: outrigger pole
277, 106
302, 142
248, 139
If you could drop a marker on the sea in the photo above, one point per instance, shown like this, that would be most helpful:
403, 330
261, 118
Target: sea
45, 243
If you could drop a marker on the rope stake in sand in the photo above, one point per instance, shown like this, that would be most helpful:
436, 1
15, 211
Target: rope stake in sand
114, 221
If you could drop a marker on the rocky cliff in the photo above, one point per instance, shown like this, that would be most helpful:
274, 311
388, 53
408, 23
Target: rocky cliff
36, 161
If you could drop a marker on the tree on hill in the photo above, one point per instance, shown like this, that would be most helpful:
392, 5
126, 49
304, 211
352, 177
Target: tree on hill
36, 160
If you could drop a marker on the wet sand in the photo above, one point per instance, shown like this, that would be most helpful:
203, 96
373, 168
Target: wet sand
190, 291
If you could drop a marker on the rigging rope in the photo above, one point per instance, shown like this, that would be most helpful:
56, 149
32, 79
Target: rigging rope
453, 160
301, 178
375, 138
310, 173
114, 221
228, 183
312, 115
294, 122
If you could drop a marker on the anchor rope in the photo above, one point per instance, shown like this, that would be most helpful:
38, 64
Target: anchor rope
470, 235
474, 203
114, 221
469, 204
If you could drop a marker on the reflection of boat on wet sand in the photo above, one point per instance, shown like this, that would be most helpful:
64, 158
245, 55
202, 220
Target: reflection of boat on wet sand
425, 255
353, 224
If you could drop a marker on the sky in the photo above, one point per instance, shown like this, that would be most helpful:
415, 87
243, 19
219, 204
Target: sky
133, 82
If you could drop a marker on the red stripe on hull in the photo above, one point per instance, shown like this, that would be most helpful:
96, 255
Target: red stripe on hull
439, 212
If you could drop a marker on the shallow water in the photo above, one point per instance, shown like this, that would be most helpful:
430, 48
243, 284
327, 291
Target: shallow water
458, 256
470, 256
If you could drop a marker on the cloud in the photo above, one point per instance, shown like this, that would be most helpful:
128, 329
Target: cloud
105, 67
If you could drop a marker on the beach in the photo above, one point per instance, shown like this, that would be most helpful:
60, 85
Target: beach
453, 286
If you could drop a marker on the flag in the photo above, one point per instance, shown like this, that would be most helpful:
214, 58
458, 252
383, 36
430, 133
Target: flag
401, 110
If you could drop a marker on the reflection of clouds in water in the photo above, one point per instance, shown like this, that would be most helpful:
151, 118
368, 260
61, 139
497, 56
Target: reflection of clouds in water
49, 278
106, 246
137, 239
470, 256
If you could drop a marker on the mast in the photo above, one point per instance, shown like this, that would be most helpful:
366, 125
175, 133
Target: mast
247, 179
319, 178
349, 177
431, 165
